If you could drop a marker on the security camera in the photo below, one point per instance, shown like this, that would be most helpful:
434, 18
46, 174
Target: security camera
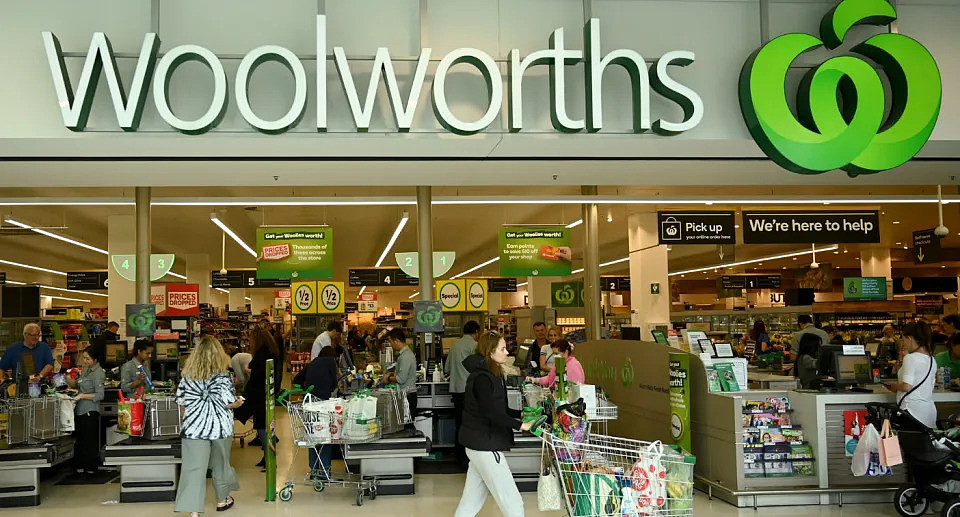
941, 231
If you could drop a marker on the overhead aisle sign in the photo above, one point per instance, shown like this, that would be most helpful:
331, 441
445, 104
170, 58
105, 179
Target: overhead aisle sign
451, 295
697, 227
566, 294
295, 253
126, 266
535, 251
409, 262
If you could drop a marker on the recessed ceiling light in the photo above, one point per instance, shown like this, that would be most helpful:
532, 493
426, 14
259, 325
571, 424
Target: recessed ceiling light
784, 267
736, 226
844, 250
836, 252
899, 244
681, 276
943, 266
794, 258
906, 247
896, 222
669, 248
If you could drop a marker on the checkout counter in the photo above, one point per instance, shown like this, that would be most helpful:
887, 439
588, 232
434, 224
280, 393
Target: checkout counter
390, 460
20, 469
148, 469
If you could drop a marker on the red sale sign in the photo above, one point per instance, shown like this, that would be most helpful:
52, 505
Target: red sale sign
182, 300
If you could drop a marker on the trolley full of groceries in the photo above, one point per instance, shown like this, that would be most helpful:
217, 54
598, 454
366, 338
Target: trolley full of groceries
316, 423
591, 474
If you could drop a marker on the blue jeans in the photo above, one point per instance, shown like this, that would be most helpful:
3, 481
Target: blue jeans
321, 465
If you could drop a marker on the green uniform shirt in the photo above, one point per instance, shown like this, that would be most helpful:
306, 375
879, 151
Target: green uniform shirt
945, 361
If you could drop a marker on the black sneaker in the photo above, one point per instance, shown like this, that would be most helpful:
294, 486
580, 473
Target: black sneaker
263, 462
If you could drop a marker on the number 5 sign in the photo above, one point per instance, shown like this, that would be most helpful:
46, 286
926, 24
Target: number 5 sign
331, 297
304, 297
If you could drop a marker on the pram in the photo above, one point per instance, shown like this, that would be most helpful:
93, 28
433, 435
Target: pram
930, 458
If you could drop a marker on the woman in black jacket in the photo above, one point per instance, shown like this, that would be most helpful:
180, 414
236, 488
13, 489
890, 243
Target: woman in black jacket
263, 347
321, 375
487, 431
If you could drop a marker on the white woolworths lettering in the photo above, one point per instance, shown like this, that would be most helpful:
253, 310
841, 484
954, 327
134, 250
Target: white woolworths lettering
75, 105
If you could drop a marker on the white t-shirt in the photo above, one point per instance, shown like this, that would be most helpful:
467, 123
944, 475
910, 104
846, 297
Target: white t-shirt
322, 341
920, 402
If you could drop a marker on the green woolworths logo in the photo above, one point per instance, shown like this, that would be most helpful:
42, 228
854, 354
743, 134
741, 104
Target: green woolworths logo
858, 134
565, 295
429, 317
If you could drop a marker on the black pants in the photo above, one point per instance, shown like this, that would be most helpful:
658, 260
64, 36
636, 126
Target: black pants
458, 418
87, 433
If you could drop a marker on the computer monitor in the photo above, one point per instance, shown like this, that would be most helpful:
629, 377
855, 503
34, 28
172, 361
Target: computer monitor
706, 347
873, 348
826, 365
115, 353
724, 350
852, 369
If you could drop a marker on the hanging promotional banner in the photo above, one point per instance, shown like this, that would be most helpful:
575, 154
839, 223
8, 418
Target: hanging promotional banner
158, 297
331, 298
141, 320
566, 294
304, 297
533, 251
427, 316
451, 295
476, 289
305, 253
791, 227
680, 400
697, 227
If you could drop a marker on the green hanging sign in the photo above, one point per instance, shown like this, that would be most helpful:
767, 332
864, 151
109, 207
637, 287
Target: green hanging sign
566, 294
126, 266
856, 134
535, 251
295, 253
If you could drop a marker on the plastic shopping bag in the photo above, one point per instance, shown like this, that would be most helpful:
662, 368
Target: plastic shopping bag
889, 447
866, 457
130, 414
649, 480
315, 414
67, 406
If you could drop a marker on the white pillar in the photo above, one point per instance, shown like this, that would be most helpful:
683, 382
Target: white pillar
237, 299
648, 265
121, 240
198, 272
875, 262
538, 291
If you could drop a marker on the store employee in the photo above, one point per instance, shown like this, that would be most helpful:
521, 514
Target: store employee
406, 371
131, 376
35, 355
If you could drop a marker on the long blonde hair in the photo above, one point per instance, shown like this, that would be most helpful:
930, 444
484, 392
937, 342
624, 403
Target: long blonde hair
207, 360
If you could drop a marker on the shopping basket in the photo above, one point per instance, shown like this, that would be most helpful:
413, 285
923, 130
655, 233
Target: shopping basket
43, 422
162, 418
391, 405
14, 416
610, 476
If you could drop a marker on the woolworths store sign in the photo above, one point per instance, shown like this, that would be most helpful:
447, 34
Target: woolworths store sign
843, 118
128, 102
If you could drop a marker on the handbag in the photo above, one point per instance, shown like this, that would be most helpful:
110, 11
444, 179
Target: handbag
866, 457
549, 492
130, 414
649, 480
889, 446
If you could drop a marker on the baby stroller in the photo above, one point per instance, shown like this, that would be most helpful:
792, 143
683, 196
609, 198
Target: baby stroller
930, 458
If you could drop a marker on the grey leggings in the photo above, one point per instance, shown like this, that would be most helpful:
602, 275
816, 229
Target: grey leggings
197, 456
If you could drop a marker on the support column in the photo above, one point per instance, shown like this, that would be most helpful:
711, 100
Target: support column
425, 241
876, 262
591, 267
121, 240
143, 244
237, 299
538, 291
198, 272
648, 265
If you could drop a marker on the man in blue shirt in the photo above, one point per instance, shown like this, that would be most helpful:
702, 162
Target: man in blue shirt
41, 355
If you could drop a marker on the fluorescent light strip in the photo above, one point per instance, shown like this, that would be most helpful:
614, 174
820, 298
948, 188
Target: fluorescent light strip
362, 289
612, 262
177, 275
576, 223
65, 298
27, 266
393, 238
575, 271
523, 284
55, 236
414, 295
16, 283
224, 291
474, 268
216, 220
247, 298
754, 261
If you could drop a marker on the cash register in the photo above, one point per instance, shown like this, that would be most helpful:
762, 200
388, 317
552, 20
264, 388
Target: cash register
850, 370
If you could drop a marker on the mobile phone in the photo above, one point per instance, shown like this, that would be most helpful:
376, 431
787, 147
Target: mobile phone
241, 398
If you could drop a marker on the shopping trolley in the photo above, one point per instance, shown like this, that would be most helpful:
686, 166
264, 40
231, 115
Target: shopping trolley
314, 430
611, 476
